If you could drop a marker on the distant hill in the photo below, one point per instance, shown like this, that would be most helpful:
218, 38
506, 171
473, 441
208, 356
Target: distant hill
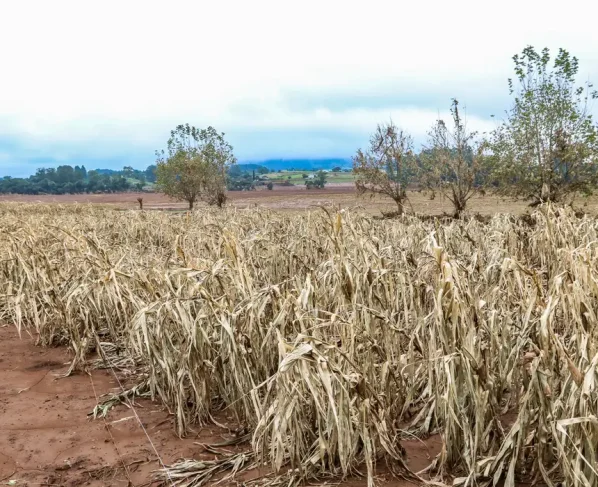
302, 164
248, 167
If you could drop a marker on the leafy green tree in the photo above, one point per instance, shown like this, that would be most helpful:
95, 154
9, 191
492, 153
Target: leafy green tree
118, 183
195, 165
321, 179
454, 161
94, 181
235, 171
547, 148
49, 186
80, 174
65, 174
40, 174
128, 172
388, 166
141, 182
78, 186
318, 182
150, 173
242, 182
106, 183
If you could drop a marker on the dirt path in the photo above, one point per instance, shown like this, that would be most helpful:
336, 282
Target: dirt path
46, 438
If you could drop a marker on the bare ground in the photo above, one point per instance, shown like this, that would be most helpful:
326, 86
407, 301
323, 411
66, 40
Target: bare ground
297, 198
47, 439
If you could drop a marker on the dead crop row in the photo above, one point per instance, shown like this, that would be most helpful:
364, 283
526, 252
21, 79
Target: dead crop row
330, 336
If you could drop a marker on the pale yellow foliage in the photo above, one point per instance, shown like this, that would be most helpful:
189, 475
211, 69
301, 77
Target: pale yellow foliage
332, 336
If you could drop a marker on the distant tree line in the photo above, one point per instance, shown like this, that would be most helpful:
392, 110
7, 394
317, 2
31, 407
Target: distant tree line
76, 180
67, 179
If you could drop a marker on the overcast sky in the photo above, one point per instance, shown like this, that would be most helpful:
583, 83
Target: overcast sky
103, 83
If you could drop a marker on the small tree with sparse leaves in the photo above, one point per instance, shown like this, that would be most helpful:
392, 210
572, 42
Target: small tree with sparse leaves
194, 166
453, 162
388, 167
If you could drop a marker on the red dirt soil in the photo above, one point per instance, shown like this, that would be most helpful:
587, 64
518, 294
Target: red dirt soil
159, 199
281, 198
297, 198
47, 439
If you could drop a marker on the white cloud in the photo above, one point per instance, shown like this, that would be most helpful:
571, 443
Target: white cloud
125, 72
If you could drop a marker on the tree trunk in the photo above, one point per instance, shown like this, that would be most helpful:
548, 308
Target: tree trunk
191, 203
220, 199
459, 208
400, 207
545, 194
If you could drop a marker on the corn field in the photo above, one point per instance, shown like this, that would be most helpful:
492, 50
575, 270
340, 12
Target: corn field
330, 336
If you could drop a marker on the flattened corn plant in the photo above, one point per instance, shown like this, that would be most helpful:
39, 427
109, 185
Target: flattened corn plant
330, 336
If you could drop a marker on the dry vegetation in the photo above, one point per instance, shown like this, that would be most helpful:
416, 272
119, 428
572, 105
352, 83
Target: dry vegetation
330, 336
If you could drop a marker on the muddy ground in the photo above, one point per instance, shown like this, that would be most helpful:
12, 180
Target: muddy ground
296, 198
46, 437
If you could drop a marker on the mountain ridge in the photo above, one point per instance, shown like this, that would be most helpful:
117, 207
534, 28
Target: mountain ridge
300, 164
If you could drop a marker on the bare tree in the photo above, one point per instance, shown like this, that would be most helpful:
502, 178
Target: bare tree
388, 166
454, 164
